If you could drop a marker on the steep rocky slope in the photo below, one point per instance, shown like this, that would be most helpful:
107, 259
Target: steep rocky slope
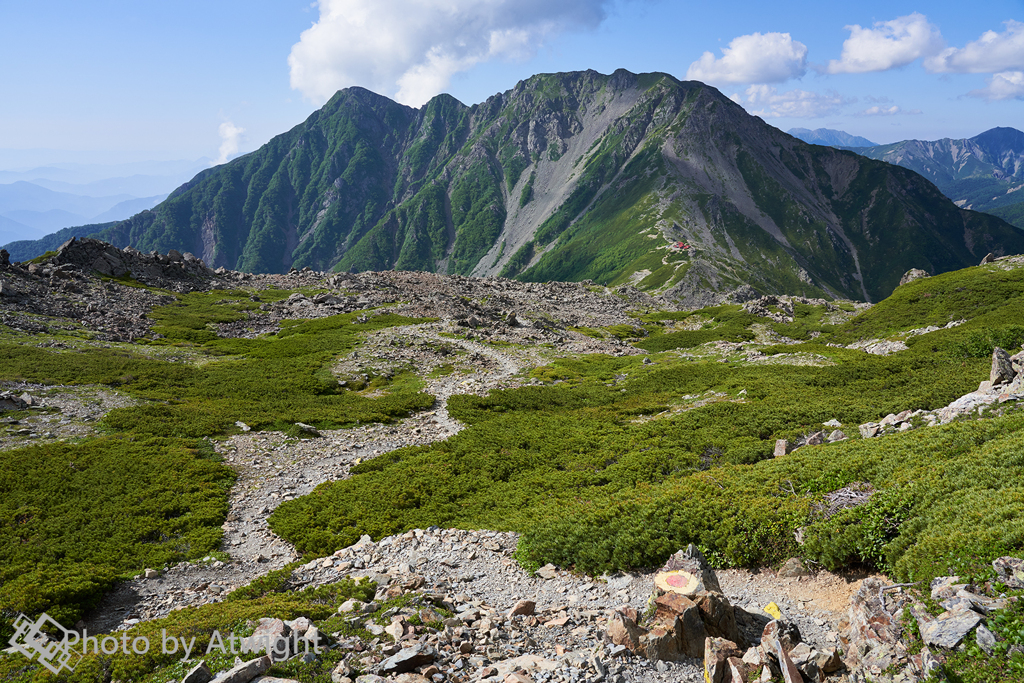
623, 178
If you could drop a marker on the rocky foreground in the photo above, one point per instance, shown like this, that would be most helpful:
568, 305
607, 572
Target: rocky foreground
509, 625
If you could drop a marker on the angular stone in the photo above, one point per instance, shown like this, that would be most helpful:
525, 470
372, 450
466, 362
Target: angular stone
548, 571
663, 643
408, 659
1002, 367
837, 435
691, 631
793, 568
1010, 571
911, 275
717, 652
949, 628
246, 671
945, 586
306, 429
790, 674
869, 430
737, 670
804, 658
341, 671
622, 630
829, 660
778, 633
411, 678
718, 616
523, 607
781, 448
200, 673
350, 606
986, 639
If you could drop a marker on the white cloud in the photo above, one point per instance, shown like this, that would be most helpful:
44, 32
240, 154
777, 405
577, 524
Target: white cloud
230, 137
1002, 86
990, 53
767, 102
410, 49
754, 58
887, 111
888, 45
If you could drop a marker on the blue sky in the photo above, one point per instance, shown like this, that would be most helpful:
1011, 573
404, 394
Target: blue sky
116, 80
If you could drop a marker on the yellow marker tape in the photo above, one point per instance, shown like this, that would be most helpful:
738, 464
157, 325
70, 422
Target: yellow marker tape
773, 609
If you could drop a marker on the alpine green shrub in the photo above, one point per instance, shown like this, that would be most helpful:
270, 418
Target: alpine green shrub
74, 516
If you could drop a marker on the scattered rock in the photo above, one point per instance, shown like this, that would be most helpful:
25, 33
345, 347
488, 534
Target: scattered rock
200, 673
408, 659
793, 568
246, 671
1010, 571
1002, 367
717, 652
913, 274
949, 628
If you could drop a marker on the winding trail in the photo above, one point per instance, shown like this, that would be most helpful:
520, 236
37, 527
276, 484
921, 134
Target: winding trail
273, 468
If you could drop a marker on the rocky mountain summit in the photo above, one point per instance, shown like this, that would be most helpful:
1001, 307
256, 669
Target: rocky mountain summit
621, 179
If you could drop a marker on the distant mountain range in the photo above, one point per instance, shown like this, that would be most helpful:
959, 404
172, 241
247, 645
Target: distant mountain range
830, 137
30, 210
625, 178
984, 173
37, 200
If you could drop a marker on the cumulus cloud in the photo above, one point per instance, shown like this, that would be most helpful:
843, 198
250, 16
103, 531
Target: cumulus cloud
990, 53
889, 44
754, 58
767, 102
887, 111
230, 138
1007, 85
410, 49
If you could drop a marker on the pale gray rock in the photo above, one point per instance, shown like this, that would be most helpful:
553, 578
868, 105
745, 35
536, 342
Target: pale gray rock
949, 628
408, 659
1010, 571
246, 671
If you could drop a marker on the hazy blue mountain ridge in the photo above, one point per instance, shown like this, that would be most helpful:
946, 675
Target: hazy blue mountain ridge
830, 137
